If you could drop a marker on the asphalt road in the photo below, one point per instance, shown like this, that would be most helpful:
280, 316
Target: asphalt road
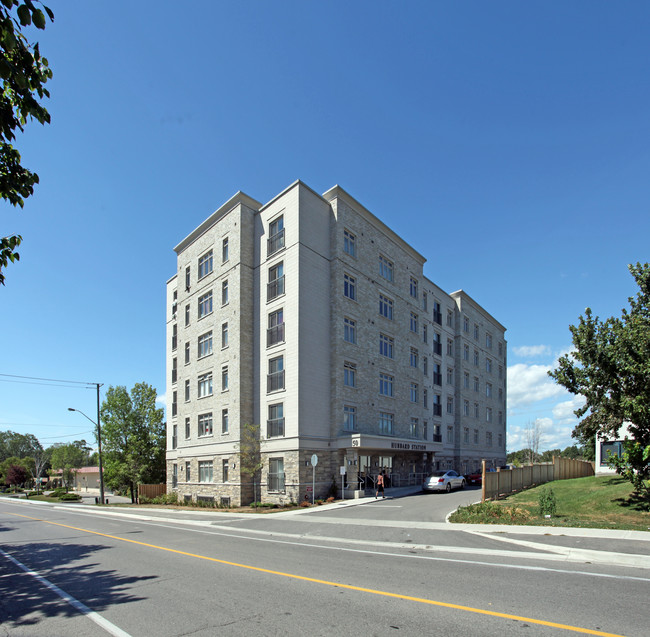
371, 569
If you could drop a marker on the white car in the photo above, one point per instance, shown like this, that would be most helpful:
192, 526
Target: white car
443, 481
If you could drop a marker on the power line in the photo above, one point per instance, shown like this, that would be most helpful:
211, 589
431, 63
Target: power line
51, 380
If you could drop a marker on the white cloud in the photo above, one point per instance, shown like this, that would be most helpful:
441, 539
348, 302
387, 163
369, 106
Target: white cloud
161, 399
531, 350
528, 384
563, 412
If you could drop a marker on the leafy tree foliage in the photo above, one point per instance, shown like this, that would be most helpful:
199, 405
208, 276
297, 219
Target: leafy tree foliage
610, 367
24, 73
18, 445
17, 475
13, 461
68, 459
250, 458
133, 438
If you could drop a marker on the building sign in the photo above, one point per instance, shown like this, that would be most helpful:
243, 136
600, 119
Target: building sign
361, 441
408, 446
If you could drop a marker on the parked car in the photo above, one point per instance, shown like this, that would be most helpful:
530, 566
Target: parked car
443, 481
475, 479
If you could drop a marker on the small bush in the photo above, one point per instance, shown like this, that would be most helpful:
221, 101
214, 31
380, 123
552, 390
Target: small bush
330, 500
69, 497
547, 502
490, 513
305, 503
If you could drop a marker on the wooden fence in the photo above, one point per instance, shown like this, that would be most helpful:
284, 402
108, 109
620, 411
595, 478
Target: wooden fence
505, 481
151, 490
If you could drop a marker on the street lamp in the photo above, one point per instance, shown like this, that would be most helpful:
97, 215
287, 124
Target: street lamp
99, 445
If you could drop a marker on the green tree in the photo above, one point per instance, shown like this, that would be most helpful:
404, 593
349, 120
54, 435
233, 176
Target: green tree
610, 366
68, 459
13, 461
133, 437
250, 455
17, 475
24, 73
547, 456
18, 445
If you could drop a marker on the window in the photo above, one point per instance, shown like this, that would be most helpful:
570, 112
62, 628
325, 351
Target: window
476, 384
275, 378
385, 307
187, 428
349, 243
275, 423
414, 357
275, 286
425, 399
205, 345
425, 303
488, 365
174, 436
450, 375
414, 427
174, 336
437, 433
385, 385
500, 395
385, 268
500, 419
437, 374
224, 293
205, 304
437, 344
500, 371
476, 357
349, 374
488, 438
413, 288
437, 313
349, 286
224, 250
476, 410
488, 415
349, 418
465, 325
614, 448
476, 331
450, 434
500, 439
224, 335
465, 380
224, 470
205, 424
475, 436
500, 349
224, 378
205, 385
205, 470
350, 330
488, 390
425, 365
425, 338
466, 435
205, 264
187, 278
386, 344
224, 421
488, 340
187, 391
275, 331
414, 393
187, 353
414, 322
174, 475
385, 423
450, 404
450, 347
450, 318
188, 471
437, 405
276, 236
276, 474
466, 353
174, 369
466, 408
187, 315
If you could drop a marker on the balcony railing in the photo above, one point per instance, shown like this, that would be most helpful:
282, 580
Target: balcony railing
437, 437
437, 348
275, 243
437, 379
275, 288
275, 335
437, 410
437, 317
275, 428
275, 381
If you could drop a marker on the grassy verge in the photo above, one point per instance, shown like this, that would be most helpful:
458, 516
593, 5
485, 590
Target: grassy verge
599, 502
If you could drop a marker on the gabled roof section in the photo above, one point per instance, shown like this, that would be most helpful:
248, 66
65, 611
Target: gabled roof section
338, 192
239, 198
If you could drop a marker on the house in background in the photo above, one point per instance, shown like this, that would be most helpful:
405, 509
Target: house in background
606, 447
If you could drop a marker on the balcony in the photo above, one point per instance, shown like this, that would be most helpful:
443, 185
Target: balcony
274, 382
437, 410
275, 335
275, 428
275, 288
275, 243
437, 437
437, 379
437, 348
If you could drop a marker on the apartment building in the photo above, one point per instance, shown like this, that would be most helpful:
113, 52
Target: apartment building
310, 319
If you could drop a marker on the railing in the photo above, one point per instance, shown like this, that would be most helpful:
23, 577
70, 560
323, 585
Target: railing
275, 335
437, 437
437, 348
275, 243
437, 379
275, 381
437, 409
275, 288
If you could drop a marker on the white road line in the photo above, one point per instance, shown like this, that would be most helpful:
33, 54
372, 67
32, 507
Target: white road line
109, 627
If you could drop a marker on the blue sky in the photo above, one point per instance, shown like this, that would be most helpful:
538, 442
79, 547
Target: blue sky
508, 142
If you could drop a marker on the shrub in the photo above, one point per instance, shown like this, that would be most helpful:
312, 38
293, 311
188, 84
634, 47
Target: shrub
305, 503
69, 497
546, 501
330, 500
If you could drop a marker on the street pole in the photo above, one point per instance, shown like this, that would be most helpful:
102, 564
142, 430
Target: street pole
99, 450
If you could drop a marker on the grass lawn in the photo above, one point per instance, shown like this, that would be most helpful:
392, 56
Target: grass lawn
600, 502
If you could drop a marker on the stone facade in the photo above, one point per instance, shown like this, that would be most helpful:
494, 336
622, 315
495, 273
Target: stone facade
337, 345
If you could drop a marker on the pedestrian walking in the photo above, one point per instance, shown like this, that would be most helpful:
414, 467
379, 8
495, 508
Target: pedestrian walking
380, 485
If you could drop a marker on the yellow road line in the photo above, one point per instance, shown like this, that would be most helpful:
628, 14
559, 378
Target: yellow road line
469, 609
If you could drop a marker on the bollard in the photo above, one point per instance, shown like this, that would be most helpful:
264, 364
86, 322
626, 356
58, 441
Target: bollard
96, 500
